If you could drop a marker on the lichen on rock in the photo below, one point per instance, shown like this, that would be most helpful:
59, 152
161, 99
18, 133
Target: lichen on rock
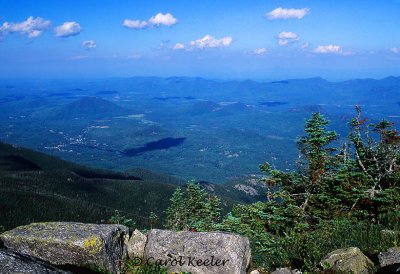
63, 243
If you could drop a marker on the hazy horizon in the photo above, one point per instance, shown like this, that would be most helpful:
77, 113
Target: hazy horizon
221, 79
271, 40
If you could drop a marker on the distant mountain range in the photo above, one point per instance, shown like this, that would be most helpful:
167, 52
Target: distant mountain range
205, 129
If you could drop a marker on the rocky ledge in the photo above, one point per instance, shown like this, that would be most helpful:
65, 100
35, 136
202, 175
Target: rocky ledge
62, 247
51, 247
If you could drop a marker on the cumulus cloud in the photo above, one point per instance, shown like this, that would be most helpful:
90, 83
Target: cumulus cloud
178, 46
89, 44
162, 19
205, 42
260, 51
281, 13
395, 50
157, 20
31, 27
210, 42
333, 49
286, 37
68, 29
329, 49
135, 24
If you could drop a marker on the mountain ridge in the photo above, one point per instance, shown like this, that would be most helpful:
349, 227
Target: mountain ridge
38, 187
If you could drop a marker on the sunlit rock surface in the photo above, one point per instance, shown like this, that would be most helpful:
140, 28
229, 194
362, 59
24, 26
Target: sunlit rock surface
347, 260
198, 252
66, 243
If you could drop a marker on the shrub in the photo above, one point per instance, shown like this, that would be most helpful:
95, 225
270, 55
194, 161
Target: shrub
119, 219
193, 210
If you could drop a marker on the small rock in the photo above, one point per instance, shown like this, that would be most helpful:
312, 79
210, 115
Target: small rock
198, 252
347, 259
11, 262
135, 244
65, 243
286, 271
391, 257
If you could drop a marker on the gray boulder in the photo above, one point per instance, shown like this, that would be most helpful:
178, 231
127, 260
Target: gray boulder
346, 260
135, 244
11, 262
70, 243
391, 257
198, 252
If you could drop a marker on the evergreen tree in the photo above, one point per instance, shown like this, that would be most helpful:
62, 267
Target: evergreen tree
196, 205
336, 200
214, 209
377, 159
314, 146
193, 210
119, 219
176, 212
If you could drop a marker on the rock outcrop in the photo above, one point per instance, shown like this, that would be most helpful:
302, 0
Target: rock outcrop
41, 247
198, 252
11, 262
70, 243
347, 260
135, 244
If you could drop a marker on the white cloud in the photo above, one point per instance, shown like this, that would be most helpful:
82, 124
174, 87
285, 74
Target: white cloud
281, 13
395, 50
163, 19
68, 29
260, 51
89, 44
178, 46
203, 43
210, 42
333, 49
286, 37
32, 27
155, 21
135, 24
329, 49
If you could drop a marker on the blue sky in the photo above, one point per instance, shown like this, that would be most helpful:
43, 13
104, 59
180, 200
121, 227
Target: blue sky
240, 39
